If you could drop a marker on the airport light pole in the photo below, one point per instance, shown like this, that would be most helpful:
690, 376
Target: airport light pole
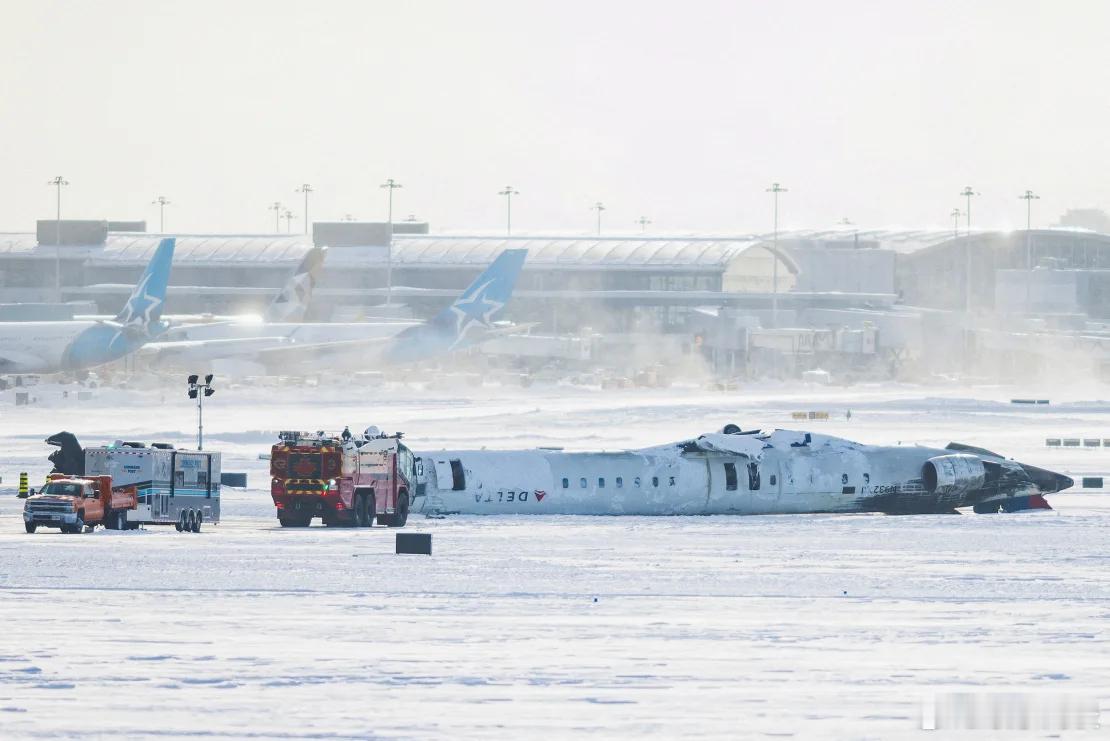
391, 185
58, 182
509, 193
306, 189
967, 193
775, 189
161, 202
643, 221
599, 207
288, 216
1028, 196
276, 207
200, 391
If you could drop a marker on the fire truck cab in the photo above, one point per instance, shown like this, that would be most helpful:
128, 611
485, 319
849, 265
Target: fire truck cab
345, 482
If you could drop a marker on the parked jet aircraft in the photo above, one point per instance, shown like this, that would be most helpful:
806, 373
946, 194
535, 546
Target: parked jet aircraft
53, 347
282, 346
735, 472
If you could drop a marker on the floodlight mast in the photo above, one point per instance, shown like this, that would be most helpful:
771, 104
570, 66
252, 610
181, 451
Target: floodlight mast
199, 391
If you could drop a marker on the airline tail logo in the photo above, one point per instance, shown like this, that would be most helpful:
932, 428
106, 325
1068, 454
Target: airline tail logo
450, 328
483, 298
475, 308
291, 305
144, 307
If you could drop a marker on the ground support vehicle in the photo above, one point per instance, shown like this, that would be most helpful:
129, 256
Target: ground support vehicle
76, 503
175, 487
172, 487
343, 481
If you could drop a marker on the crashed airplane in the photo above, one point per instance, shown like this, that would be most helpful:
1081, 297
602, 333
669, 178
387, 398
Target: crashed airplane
735, 472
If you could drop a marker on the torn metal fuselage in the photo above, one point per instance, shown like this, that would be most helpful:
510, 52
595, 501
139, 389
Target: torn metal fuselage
736, 472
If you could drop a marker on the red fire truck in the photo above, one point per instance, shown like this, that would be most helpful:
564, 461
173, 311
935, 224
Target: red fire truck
345, 482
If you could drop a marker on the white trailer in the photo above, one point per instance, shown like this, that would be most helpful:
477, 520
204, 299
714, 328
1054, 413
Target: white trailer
175, 487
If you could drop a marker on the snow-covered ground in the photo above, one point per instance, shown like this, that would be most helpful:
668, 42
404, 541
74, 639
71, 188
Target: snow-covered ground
518, 627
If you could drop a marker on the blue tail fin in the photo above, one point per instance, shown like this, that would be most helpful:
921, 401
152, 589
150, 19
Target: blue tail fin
478, 306
144, 307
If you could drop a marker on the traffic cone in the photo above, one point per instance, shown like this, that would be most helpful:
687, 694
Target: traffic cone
23, 485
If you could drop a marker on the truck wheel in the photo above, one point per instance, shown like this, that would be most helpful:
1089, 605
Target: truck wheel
78, 526
191, 521
366, 510
122, 520
360, 510
30, 526
180, 524
401, 516
198, 520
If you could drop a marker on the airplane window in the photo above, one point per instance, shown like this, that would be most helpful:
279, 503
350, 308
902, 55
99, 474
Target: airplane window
730, 477
844, 479
620, 482
458, 476
655, 481
867, 478
566, 483
672, 480
773, 479
600, 482
753, 476
582, 483
636, 482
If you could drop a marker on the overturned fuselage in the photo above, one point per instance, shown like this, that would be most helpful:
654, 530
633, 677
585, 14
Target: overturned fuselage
735, 472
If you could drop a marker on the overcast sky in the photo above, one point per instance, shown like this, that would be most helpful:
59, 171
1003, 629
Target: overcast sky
681, 111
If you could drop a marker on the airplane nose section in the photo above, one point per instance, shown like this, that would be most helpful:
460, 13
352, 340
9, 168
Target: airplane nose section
1047, 481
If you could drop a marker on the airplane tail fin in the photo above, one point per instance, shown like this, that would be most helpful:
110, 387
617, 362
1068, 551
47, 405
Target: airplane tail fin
144, 308
291, 305
477, 307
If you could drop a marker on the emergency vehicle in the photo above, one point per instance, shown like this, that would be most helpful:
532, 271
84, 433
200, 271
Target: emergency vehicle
342, 480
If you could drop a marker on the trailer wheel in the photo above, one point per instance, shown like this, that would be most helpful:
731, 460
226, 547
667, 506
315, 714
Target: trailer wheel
180, 524
29, 526
198, 520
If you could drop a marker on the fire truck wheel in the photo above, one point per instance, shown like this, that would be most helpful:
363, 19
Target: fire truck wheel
30, 526
401, 516
366, 508
360, 510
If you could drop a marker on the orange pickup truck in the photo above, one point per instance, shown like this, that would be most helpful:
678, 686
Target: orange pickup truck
76, 503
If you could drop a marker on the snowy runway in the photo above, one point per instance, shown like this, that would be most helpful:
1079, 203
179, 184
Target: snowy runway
811, 626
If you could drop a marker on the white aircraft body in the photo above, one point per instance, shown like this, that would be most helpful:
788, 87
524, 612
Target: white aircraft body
74, 346
734, 472
279, 344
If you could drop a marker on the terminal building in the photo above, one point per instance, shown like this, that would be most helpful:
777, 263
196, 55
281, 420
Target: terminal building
899, 282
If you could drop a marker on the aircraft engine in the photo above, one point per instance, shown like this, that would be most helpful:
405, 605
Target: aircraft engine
953, 474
